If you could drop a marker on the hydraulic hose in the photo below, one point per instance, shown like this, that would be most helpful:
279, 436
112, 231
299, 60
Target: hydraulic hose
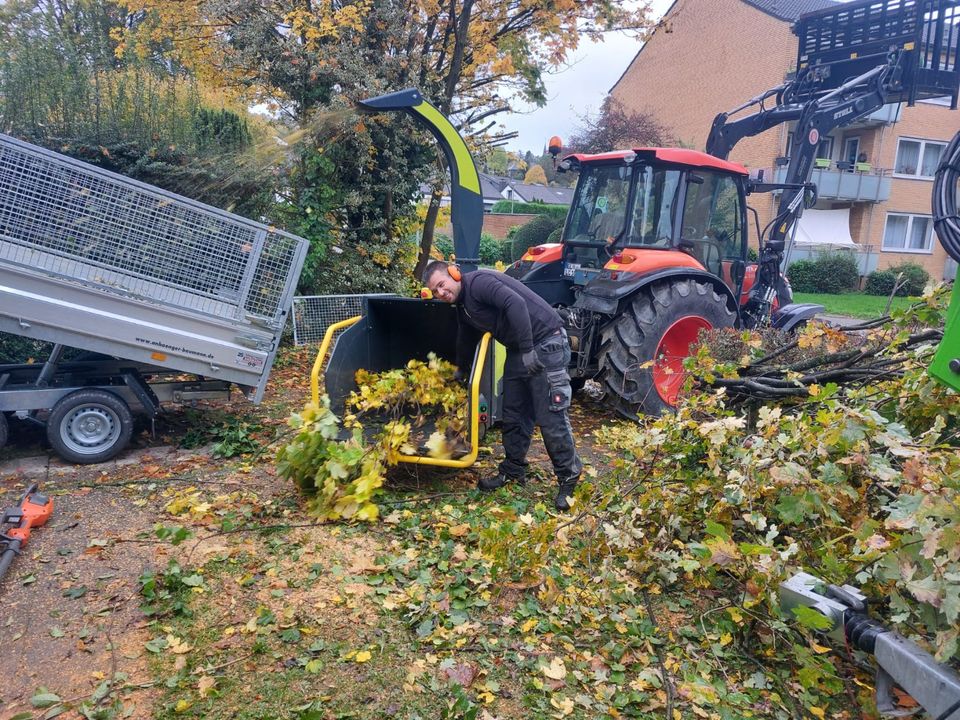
946, 188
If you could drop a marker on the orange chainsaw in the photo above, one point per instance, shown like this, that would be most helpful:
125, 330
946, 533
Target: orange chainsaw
33, 510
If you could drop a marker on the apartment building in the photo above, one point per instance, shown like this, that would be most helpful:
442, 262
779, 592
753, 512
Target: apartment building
709, 56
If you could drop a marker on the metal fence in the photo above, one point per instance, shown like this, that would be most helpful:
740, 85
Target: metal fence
86, 225
313, 314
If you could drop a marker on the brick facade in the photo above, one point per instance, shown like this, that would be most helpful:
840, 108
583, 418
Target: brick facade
709, 56
497, 224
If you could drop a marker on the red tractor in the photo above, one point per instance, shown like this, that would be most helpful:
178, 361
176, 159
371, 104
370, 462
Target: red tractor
655, 244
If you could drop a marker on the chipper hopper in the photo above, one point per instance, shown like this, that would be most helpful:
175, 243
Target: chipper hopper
393, 330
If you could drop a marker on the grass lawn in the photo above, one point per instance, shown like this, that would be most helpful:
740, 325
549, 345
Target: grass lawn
855, 305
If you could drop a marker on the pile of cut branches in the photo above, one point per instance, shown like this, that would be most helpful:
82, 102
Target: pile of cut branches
771, 364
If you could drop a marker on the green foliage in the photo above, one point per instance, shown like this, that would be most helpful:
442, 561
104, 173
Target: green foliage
911, 277
167, 592
493, 250
235, 439
535, 232
830, 273
507, 207
880, 282
555, 236
344, 477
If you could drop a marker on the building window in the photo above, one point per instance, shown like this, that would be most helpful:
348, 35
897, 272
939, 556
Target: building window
824, 147
908, 233
918, 158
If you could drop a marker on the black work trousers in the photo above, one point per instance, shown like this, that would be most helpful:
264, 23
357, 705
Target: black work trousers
540, 400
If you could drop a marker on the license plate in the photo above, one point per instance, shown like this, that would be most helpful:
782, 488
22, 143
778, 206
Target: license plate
570, 269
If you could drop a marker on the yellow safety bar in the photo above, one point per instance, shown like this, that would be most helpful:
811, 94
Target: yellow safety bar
322, 353
462, 462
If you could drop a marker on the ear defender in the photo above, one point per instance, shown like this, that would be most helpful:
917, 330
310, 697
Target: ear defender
454, 272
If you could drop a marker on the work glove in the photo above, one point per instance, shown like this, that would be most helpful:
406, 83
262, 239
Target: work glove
531, 362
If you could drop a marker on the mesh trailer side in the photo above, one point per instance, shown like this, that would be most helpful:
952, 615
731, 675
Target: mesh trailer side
313, 314
855, 37
85, 225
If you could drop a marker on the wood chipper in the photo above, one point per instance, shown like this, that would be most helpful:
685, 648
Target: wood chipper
391, 331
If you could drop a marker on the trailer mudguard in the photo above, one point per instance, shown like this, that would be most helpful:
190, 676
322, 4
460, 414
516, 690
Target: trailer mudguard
466, 200
789, 316
607, 296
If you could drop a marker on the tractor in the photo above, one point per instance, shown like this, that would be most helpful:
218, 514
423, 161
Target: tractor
655, 245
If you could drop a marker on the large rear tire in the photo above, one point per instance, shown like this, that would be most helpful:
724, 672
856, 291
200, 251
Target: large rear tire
642, 351
89, 426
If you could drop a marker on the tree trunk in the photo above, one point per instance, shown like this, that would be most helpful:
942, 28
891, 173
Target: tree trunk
426, 239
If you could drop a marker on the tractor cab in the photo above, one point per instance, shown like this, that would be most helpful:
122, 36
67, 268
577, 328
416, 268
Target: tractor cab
641, 211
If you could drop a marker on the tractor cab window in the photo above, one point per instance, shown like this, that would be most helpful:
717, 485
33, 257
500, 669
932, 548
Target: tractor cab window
656, 194
600, 203
711, 220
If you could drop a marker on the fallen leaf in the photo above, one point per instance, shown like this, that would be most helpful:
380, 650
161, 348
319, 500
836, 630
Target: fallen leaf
205, 685
556, 670
462, 673
363, 656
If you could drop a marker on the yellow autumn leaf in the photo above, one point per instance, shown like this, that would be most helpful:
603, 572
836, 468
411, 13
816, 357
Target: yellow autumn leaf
178, 646
528, 625
814, 710
556, 670
819, 648
182, 706
362, 656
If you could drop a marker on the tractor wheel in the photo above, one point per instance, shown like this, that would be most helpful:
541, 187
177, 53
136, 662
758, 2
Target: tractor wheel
89, 426
642, 351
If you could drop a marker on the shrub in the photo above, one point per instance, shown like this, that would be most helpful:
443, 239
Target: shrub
803, 276
880, 282
837, 273
535, 232
914, 279
492, 250
514, 208
443, 244
554, 237
831, 273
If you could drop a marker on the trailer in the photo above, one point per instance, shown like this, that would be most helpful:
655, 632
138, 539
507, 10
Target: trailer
167, 299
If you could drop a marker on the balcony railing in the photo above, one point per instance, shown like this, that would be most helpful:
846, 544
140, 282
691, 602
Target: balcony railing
854, 182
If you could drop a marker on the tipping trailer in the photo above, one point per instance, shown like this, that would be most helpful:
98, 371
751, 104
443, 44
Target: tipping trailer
169, 298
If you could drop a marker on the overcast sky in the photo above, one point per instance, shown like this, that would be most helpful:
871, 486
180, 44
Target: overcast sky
575, 90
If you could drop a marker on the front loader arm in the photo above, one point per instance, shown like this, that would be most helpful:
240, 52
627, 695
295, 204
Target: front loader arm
466, 200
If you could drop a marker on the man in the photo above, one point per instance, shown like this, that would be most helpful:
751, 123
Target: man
536, 386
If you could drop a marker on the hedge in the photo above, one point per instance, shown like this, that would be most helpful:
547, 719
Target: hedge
831, 273
506, 207
882, 282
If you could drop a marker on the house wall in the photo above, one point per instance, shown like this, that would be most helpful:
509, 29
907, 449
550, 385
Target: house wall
711, 55
497, 224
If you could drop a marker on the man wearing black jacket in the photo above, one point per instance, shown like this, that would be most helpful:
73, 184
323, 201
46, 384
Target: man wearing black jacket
536, 386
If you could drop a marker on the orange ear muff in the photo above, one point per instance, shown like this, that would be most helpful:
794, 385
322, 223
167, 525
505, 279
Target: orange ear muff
454, 272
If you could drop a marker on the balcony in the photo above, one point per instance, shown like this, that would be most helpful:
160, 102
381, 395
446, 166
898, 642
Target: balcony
865, 184
886, 115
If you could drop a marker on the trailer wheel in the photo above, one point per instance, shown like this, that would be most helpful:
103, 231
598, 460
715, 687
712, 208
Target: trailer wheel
642, 351
89, 426
4, 430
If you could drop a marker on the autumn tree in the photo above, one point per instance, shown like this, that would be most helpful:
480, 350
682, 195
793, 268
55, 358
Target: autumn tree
616, 127
469, 57
535, 176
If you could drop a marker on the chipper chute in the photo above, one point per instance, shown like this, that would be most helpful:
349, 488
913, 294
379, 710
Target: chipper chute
393, 330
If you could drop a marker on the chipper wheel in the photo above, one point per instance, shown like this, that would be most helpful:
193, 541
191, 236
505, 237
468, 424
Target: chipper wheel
89, 426
659, 325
